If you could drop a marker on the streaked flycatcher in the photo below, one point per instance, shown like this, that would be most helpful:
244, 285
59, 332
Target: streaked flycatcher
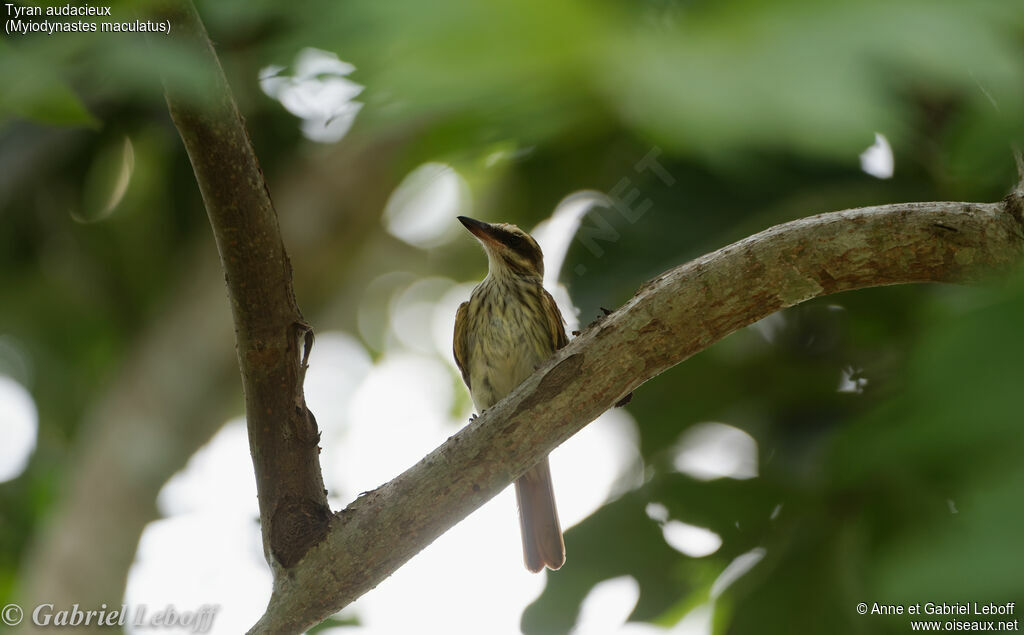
509, 326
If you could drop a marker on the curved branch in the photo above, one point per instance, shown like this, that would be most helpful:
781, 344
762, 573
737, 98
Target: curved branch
669, 319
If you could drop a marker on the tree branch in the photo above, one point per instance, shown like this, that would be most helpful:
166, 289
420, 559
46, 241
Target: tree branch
322, 562
669, 319
270, 333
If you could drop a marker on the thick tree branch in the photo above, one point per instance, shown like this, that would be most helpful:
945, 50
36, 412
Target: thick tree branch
322, 562
270, 334
179, 386
671, 318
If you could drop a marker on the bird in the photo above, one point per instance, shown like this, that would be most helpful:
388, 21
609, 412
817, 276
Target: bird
507, 328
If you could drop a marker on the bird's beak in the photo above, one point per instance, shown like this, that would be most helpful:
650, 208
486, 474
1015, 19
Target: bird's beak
484, 231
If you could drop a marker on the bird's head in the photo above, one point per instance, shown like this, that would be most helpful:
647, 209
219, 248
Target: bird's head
510, 250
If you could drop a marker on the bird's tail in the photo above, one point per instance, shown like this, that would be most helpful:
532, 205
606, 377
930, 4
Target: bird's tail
538, 519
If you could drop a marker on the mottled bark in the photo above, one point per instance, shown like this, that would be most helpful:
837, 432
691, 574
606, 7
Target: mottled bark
271, 337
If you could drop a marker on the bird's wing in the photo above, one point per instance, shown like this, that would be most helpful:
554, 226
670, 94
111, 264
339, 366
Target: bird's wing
459, 343
556, 323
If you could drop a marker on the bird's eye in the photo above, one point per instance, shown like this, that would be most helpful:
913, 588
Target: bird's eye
515, 241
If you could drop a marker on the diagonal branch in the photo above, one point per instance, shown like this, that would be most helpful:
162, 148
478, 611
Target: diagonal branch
671, 318
270, 333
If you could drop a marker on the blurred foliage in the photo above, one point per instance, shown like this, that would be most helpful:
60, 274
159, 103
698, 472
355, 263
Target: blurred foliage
908, 491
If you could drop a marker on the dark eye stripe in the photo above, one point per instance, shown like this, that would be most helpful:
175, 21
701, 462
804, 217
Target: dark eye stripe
512, 240
524, 248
